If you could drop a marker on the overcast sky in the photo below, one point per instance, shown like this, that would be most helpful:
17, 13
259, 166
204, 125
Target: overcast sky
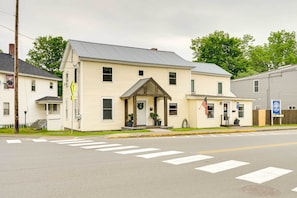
164, 24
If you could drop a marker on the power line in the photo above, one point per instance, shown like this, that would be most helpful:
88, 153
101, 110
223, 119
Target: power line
5, 27
6, 13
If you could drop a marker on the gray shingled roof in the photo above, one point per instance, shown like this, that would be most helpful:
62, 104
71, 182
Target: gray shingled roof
127, 54
7, 65
209, 68
50, 100
107, 52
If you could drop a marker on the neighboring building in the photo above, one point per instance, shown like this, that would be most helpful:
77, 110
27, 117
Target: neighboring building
37, 94
103, 84
272, 85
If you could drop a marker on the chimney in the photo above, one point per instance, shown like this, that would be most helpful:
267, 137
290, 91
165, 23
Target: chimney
11, 49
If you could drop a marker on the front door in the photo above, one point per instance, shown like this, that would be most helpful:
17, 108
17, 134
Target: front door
226, 115
141, 113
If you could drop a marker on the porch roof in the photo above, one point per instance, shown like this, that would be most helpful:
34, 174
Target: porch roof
49, 100
146, 87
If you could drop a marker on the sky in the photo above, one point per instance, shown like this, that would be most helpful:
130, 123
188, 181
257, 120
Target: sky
167, 25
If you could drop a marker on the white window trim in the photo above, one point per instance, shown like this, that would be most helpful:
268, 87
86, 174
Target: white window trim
255, 86
112, 109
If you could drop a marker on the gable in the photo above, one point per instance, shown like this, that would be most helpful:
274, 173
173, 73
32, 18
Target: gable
146, 87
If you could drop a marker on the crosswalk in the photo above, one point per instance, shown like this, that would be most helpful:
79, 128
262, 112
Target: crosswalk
263, 175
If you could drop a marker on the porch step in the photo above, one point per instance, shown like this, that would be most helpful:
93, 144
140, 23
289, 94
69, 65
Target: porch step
39, 124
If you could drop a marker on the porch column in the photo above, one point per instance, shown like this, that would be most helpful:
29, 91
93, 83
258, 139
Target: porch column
155, 105
134, 111
165, 112
126, 112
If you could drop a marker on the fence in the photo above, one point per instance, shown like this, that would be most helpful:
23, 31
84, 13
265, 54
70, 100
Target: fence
290, 117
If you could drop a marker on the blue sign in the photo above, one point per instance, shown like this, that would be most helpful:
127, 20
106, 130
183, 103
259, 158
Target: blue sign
276, 107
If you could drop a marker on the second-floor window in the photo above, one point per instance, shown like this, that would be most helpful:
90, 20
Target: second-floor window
172, 78
33, 85
256, 86
75, 75
220, 88
193, 86
107, 74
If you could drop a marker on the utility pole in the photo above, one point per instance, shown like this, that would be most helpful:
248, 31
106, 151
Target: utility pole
16, 71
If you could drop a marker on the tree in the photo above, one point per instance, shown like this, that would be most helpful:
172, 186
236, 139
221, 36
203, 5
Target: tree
223, 50
47, 53
1, 51
282, 48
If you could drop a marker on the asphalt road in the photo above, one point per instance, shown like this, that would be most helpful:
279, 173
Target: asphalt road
241, 165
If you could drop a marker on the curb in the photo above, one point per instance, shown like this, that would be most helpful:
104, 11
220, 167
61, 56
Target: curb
188, 133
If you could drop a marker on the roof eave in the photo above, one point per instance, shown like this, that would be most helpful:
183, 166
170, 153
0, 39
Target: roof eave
134, 63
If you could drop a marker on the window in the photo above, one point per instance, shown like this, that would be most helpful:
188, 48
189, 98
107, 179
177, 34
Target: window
55, 107
140, 72
75, 75
172, 108
67, 79
172, 78
51, 85
107, 74
193, 86
240, 110
6, 108
33, 85
256, 86
220, 88
107, 109
210, 110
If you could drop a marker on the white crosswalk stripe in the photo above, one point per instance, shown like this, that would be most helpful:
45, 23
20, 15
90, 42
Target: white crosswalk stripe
68, 140
87, 144
13, 141
294, 189
117, 148
222, 166
159, 154
188, 159
264, 175
100, 146
39, 140
137, 151
77, 141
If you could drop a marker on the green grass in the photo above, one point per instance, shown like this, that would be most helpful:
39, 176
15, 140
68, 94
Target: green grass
30, 131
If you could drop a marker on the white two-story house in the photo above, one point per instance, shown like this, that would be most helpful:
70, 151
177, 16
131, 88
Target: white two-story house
37, 93
104, 84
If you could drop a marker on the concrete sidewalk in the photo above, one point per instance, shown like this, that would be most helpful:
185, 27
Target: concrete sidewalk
167, 132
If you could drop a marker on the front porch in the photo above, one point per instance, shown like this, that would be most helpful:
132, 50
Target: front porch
144, 97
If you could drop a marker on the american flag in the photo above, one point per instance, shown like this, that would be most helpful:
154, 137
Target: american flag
204, 104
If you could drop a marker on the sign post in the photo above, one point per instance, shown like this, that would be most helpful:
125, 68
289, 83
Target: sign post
276, 110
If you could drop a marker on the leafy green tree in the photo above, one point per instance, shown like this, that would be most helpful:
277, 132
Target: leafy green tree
1, 51
47, 53
223, 50
282, 48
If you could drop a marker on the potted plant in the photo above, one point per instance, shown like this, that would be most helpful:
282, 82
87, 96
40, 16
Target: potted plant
130, 121
159, 122
155, 117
